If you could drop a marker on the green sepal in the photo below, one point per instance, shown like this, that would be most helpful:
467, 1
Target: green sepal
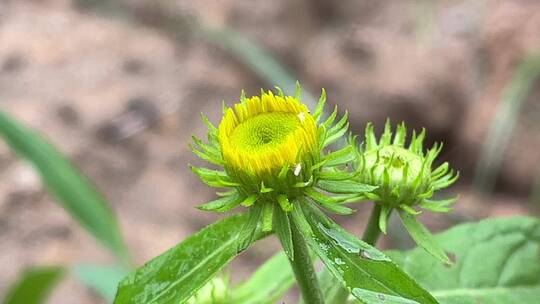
267, 216
417, 142
386, 211
340, 157
222, 204
283, 230
319, 197
370, 138
331, 204
337, 131
438, 205
332, 138
304, 184
336, 175
344, 187
248, 233
336, 208
410, 210
297, 91
387, 134
225, 193
340, 125
284, 202
328, 122
250, 200
446, 180
320, 106
265, 189
214, 159
423, 237
213, 178
401, 135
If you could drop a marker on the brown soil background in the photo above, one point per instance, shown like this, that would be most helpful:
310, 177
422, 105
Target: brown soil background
73, 72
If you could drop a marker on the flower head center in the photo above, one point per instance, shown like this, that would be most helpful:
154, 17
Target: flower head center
264, 131
261, 135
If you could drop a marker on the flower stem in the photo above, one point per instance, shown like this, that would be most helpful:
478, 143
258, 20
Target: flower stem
372, 232
304, 272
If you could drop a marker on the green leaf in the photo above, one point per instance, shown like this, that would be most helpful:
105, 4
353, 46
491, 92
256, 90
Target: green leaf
34, 285
175, 275
102, 279
72, 189
268, 284
497, 262
283, 231
423, 237
357, 265
344, 187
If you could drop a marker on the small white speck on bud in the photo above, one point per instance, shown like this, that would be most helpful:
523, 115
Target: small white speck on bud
297, 169
302, 116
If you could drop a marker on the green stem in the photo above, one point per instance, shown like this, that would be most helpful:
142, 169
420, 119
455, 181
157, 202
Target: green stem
372, 232
305, 274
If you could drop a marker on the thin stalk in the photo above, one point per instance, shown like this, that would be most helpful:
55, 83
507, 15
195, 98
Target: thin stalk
302, 266
372, 232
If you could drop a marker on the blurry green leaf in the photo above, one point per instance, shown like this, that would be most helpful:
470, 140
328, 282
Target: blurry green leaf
34, 286
174, 276
268, 284
74, 191
502, 126
497, 262
102, 279
422, 236
366, 272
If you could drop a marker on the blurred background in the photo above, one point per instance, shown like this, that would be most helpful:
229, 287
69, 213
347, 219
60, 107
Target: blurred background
118, 85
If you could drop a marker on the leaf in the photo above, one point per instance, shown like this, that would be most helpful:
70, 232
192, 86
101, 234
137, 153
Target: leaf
497, 262
423, 237
74, 191
34, 285
175, 275
357, 265
102, 279
268, 284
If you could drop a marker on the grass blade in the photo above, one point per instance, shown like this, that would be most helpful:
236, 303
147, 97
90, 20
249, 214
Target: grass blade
72, 189
504, 122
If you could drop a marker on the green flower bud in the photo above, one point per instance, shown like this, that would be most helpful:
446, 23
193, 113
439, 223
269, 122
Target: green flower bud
404, 174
